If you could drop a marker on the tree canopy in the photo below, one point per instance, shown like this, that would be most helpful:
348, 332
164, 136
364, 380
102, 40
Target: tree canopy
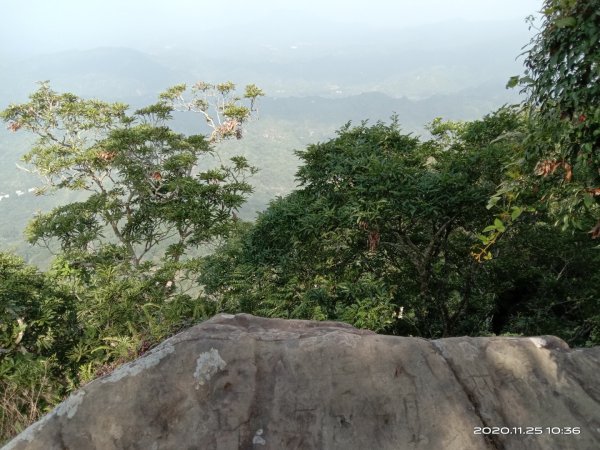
380, 234
562, 85
147, 184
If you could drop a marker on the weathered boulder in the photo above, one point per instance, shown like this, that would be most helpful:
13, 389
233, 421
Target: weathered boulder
243, 382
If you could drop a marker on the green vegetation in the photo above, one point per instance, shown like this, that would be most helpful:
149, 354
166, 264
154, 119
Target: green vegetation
120, 282
144, 181
562, 83
38, 330
381, 232
483, 228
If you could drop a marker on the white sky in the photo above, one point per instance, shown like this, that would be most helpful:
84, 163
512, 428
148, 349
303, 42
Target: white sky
53, 25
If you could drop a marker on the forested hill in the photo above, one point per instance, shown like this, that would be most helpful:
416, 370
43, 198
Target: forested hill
464, 105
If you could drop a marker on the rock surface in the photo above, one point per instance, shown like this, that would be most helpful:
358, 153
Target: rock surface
243, 382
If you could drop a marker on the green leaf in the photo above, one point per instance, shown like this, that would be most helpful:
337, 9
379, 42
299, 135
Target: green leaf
566, 22
516, 212
499, 225
483, 238
512, 82
492, 202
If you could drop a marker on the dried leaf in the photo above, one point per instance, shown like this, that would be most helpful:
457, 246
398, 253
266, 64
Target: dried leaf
594, 191
14, 126
546, 167
595, 232
106, 156
568, 172
373, 240
549, 166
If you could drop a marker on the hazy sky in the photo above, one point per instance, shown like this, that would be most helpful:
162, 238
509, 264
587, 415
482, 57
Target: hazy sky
44, 25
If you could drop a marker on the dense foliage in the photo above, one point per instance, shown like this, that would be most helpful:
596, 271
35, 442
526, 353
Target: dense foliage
38, 329
562, 84
381, 232
146, 183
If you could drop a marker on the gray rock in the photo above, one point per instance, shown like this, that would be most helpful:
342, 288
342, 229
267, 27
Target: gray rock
243, 382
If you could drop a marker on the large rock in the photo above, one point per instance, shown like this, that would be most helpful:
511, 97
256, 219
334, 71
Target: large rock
243, 382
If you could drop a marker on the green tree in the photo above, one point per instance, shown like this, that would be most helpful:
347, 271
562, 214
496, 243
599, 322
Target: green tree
562, 83
380, 234
147, 186
148, 199
381, 227
540, 282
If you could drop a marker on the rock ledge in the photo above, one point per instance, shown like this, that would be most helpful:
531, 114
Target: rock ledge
244, 382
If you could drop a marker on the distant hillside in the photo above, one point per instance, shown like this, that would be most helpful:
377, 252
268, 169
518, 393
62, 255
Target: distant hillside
325, 59
413, 114
113, 73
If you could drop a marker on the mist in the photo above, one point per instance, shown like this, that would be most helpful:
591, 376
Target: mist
38, 26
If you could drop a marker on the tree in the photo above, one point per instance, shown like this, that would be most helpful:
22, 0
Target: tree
562, 84
381, 227
145, 185
541, 283
380, 234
